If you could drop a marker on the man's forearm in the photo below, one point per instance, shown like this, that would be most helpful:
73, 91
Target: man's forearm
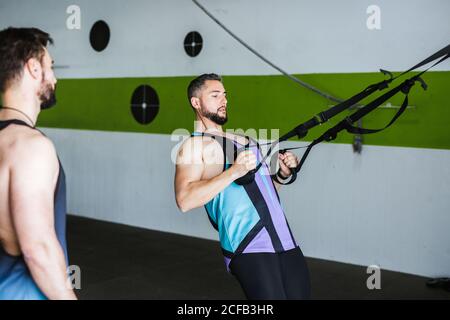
48, 268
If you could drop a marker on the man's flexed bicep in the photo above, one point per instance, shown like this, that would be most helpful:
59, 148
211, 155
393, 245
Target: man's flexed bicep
190, 190
33, 177
189, 169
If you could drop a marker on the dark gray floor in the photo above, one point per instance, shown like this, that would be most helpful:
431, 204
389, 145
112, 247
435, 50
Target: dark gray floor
122, 262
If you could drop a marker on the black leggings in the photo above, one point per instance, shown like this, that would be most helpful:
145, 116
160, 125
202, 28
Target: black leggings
275, 276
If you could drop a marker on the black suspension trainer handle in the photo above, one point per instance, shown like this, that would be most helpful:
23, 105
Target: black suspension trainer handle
250, 176
292, 177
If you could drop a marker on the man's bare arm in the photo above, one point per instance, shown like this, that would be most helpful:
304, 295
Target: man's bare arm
192, 192
32, 185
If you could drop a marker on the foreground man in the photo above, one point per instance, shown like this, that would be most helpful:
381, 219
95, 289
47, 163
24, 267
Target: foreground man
33, 255
257, 243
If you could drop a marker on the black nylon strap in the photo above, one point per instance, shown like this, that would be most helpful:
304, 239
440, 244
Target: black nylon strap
358, 130
301, 130
324, 116
346, 124
441, 53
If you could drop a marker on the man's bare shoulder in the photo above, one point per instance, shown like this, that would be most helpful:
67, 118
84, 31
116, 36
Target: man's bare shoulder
192, 148
28, 144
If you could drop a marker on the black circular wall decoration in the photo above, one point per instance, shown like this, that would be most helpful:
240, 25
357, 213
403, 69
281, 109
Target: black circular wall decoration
144, 104
99, 35
193, 43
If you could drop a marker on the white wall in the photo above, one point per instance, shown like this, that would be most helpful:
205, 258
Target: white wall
301, 36
388, 206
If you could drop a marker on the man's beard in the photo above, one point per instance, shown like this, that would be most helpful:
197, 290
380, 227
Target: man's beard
47, 95
214, 117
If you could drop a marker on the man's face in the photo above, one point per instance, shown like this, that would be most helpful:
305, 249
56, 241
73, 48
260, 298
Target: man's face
47, 88
213, 102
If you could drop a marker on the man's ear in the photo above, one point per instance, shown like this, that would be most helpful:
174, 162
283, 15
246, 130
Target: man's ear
34, 68
195, 102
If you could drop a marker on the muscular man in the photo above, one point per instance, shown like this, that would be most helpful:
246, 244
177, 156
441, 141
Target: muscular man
257, 243
33, 256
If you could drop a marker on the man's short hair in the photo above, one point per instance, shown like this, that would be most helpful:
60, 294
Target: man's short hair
17, 46
196, 85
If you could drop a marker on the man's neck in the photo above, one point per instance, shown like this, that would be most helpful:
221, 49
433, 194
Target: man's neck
207, 126
21, 101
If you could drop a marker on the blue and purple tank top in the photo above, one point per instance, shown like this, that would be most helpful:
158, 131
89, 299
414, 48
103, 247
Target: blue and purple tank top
249, 218
16, 282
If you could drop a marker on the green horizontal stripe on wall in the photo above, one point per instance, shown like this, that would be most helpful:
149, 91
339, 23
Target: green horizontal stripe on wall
259, 102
